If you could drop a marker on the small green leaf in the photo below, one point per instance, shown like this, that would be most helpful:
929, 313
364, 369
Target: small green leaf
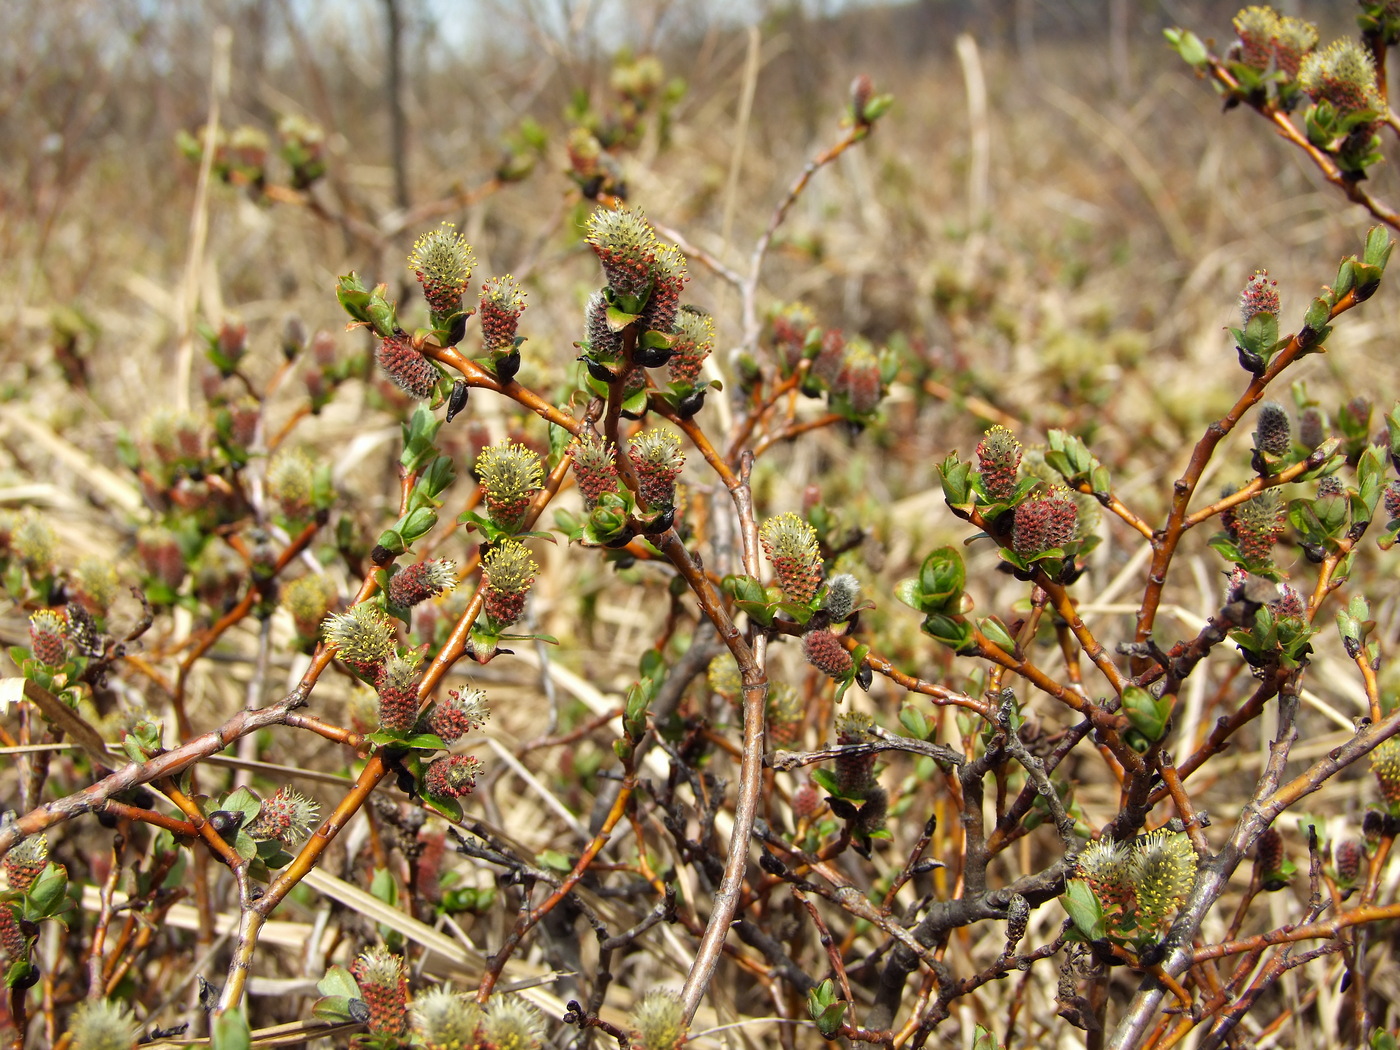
1145, 713
1084, 909
617, 319
48, 896
914, 722
553, 860
334, 1008
383, 886
1189, 46
231, 1032
241, 800
826, 779
996, 633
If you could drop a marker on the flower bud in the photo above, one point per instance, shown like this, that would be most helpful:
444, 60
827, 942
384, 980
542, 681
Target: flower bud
791, 545
998, 457
1344, 75
1257, 27
862, 87
1260, 296
1294, 39
1162, 867
511, 1024
291, 478
508, 571
1272, 431
695, 339
308, 598
603, 343
1257, 524
160, 553
784, 711
511, 475
384, 989
48, 637
790, 327
595, 468
460, 714
363, 637
825, 652
805, 801
658, 1021
502, 303
1391, 500
444, 1020
1044, 523
286, 816
95, 582
411, 372
1349, 856
858, 379
442, 261
1288, 604
722, 676
668, 279
33, 541
657, 459
1311, 429
1270, 855
855, 774
26, 862
1018, 915
398, 692
1104, 866
842, 592
423, 580
626, 247
101, 1024
452, 776
1385, 765
826, 366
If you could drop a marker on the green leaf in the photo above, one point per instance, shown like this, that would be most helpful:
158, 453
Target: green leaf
654, 340
825, 1008
448, 807
1084, 909
826, 779
48, 896
231, 1032
553, 860
996, 633
1148, 715
1315, 327
241, 800
954, 633
957, 481
942, 577
877, 107
1189, 46
908, 592
354, 297
418, 524
383, 886
914, 722
334, 1008
617, 319
18, 971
